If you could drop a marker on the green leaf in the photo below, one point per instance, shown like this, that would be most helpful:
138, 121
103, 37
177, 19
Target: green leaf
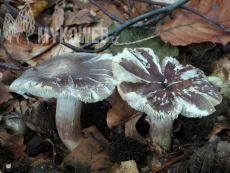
160, 48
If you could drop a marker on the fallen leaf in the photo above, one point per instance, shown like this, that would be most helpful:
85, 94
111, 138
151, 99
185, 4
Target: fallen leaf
125, 167
219, 127
223, 62
4, 96
7, 107
61, 49
38, 51
111, 8
120, 113
8, 140
17, 151
88, 154
23, 106
7, 77
78, 5
56, 22
19, 51
83, 17
130, 127
186, 27
40, 159
41, 117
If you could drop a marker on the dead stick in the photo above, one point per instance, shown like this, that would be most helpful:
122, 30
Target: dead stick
191, 144
110, 15
173, 161
5, 65
130, 9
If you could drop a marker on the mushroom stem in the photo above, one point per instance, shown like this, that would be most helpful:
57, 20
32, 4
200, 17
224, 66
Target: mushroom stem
68, 113
160, 131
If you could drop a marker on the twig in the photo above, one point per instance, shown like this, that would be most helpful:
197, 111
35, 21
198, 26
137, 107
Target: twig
110, 15
153, 2
46, 30
188, 9
115, 32
16, 63
5, 65
130, 9
173, 161
151, 21
191, 144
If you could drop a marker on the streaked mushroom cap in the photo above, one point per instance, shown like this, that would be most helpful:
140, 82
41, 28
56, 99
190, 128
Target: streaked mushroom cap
163, 92
85, 76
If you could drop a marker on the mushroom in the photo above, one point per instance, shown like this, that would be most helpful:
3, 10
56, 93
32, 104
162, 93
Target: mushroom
163, 92
71, 78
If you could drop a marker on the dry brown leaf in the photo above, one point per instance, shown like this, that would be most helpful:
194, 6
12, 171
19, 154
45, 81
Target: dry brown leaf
4, 96
61, 49
138, 9
39, 50
219, 127
19, 51
23, 106
223, 62
111, 8
17, 151
7, 77
89, 154
125, 167
83, 17
120, 113
57, 18
130, 127
56, 22
78, 5
8, 140
43, 157
41, 118
7, 107
187, 27
123, 114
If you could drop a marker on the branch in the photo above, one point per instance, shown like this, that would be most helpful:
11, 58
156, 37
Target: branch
190, 144
5, 65
173, 161
115, 32
111, 16
130, 9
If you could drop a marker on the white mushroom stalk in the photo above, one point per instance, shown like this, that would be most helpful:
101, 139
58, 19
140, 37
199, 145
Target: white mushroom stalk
163, 92
69, 127
71, 78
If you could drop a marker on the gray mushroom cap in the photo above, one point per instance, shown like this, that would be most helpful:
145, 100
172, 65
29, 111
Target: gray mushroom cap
163, 92
84, 76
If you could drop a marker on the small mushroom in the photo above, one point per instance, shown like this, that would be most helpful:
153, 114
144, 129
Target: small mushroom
71, 78
163, 92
